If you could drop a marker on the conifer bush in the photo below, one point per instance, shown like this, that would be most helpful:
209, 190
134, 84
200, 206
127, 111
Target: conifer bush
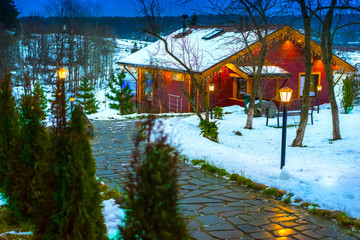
86, 96
120, 94
152, 189
350, 93
209, 130
41, 97
81, 209
8, 130
218, 112
30, 146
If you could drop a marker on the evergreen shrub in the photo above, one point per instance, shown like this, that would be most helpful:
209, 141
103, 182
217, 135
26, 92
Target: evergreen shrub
120, 94
86, 96
209, 130
350, 92
152, 189
218, 112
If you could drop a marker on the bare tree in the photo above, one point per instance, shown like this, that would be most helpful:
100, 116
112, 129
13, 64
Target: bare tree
260, 13
307, 14
326, 16
151, 10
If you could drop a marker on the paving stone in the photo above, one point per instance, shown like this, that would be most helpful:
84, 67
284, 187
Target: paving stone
198, 182
227, 234
312, 234
200, 235
195, 193
347, 237
226, 199
246, 217
105, 172
217, 192
232, 213
282, 219
221, 209
193, 224
306, 227
284, 232
210, 220
238, 204
212, 187
249, 229
190, 207
259, 222
236, 221
262, 235
289, 224
220, 227
189, 187
329, 233
258, 202
272, 226
236, 195
198, 200
301, 237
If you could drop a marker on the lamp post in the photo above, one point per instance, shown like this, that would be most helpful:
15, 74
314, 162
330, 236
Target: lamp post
72, 102
211, 90
319, 87
60, 98
285, 96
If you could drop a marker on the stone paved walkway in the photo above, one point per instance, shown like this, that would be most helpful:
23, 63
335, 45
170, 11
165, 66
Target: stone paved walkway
215, 207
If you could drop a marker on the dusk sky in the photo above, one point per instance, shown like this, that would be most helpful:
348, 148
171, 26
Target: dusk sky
112, 7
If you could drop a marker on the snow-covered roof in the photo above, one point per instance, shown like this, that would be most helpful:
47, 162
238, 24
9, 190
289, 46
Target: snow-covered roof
202, 47
195, 49
265, 71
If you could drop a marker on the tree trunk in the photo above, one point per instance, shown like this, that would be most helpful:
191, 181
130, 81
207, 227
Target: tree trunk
326, 52
300, 132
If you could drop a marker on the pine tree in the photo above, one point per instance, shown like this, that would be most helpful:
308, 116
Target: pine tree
81, 210
121, 94
40, 96
30, 146
86, 97
8, 130
8, 14
152, 190
194, 20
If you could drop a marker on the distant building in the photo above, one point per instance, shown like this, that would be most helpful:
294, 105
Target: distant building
219, 55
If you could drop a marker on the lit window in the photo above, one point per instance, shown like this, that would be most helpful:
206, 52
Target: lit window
313, 84
241, 88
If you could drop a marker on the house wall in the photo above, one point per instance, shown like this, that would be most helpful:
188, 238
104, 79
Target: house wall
167, 85
291, 58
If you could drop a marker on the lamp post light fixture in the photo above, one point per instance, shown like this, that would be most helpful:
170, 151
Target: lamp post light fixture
285, 96
62, 73
72, 102
319, 88
60, 99
211, 89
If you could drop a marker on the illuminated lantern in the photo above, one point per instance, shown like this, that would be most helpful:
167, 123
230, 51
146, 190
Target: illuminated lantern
211, 87
62, 73
285, 94
319, 87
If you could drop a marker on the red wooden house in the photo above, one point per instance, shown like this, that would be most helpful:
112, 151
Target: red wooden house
219, 55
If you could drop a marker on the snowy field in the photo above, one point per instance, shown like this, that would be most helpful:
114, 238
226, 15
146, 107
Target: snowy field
324, 172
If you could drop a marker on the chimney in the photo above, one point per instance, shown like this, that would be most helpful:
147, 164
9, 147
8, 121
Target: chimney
184, 23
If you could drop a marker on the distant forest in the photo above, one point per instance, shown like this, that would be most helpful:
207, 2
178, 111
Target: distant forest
128, 27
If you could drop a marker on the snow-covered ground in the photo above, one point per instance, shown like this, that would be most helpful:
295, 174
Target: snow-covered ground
324, 172
114, 217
